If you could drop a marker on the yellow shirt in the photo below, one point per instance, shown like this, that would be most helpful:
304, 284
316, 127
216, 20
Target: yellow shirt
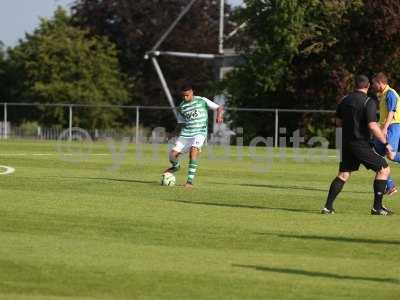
384, 105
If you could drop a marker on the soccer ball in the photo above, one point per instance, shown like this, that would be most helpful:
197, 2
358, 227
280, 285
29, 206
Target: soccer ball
168, 179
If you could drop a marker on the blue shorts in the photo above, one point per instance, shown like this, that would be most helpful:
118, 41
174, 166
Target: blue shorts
393, 137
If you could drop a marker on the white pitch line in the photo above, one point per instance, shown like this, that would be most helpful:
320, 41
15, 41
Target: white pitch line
275, 155
51, 154
8, 170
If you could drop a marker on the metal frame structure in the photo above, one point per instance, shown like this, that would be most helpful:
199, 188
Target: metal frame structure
70, 108
154, 52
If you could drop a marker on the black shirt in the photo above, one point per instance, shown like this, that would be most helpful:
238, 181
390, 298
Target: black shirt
356, 110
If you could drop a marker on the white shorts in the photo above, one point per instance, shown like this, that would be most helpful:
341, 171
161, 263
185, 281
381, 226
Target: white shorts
184, 145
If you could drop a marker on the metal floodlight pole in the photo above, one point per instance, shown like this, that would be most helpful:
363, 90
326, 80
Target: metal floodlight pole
221, 27
276, 128
189, 54
164, 85
154, 51
173, 25
5, 121
235, 31
137, 126
70, 124
183, 54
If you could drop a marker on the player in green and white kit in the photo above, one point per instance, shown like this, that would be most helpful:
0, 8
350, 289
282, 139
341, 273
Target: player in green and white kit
193, 115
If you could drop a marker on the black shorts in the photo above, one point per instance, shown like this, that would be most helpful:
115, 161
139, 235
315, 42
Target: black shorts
356, 153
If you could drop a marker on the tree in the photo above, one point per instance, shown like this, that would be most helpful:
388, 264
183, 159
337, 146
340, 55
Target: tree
59, 63
372, 38
286, 37
3, 71
8, 77
305, 53
136, 25
274, 29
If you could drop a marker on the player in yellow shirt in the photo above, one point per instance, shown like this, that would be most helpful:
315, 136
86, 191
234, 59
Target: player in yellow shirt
389, 110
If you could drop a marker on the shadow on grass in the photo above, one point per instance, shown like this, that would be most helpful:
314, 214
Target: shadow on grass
287, 187
114, 179
317, 274
334, 239
246, 206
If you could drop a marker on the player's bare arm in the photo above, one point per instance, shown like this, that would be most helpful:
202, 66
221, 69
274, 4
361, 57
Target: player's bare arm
378, 133
388, 121
220, 115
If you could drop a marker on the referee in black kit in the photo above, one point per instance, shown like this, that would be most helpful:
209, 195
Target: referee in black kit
357, 114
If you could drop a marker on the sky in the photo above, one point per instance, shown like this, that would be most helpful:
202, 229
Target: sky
20, 16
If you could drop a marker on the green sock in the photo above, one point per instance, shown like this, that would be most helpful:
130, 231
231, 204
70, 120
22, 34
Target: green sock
192, 171
175, 165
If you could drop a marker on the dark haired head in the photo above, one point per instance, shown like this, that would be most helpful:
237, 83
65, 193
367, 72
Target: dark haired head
187, 86
362, 82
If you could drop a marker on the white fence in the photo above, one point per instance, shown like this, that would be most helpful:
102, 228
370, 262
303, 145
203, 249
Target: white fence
278, 118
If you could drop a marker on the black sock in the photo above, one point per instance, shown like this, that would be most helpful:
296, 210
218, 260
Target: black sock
336, 187
379, 190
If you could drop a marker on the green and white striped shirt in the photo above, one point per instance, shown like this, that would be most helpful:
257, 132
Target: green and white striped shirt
194, 116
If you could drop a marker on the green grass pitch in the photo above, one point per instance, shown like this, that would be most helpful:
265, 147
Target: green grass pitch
91, 230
